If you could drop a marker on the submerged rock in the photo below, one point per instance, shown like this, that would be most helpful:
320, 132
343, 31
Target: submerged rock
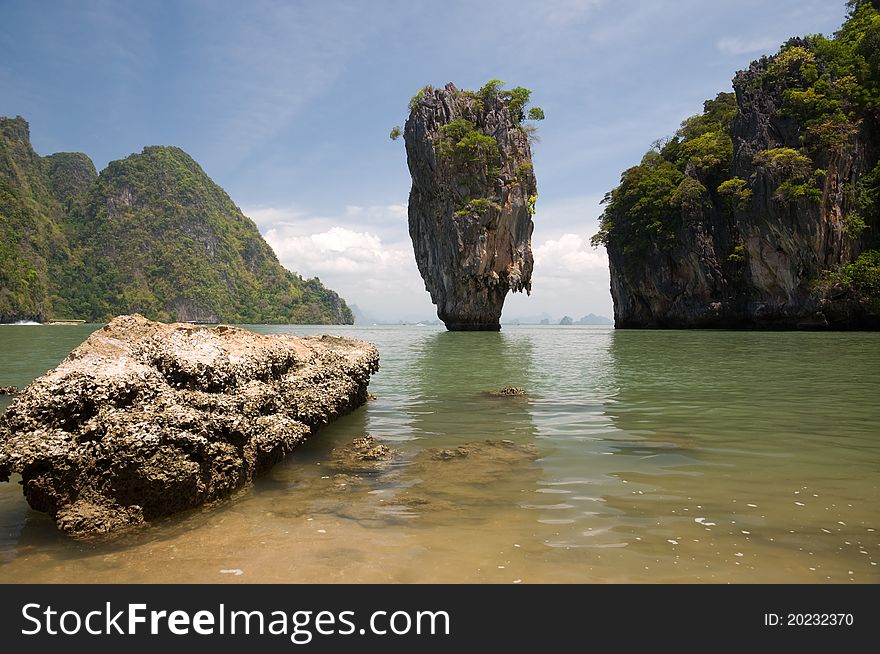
473, 193
364, 454
377, 485
8, 390
508, 391
146, 419
499, 452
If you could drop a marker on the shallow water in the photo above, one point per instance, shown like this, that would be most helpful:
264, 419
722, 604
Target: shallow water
660, 457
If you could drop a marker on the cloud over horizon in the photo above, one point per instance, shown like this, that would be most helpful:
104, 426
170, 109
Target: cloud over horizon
364, 253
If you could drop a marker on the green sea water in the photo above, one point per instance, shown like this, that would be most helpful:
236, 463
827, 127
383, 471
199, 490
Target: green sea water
659, 456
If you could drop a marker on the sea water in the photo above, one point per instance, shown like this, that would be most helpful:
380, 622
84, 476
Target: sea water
636, 456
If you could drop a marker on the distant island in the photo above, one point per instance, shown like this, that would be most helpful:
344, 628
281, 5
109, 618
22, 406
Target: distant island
364, 318
547, 319
763, 211
152, 234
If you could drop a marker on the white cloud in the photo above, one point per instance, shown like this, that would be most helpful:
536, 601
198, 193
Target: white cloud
736, 45
364, 253
337, 251
387, 221
266, 216
568, 256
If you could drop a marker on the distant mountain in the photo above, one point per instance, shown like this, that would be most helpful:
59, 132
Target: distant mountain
530, 320
547, 319
361, 317
151, 234
593, 319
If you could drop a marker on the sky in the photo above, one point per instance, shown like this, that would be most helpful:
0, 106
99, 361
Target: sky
288, 106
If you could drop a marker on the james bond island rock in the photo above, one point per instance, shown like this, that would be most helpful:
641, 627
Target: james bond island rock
151, 234
146, 419
472, 199
764, 211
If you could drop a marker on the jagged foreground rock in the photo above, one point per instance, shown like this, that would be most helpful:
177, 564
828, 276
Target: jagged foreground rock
473, 192
145, 419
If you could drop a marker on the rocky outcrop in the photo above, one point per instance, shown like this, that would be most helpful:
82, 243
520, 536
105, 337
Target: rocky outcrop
767, 253
473, 193
146, 419
70, 175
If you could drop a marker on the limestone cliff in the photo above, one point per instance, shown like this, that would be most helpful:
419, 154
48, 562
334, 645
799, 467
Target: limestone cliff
762, 212
472, 199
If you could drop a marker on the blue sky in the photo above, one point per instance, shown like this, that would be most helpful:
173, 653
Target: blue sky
287, 105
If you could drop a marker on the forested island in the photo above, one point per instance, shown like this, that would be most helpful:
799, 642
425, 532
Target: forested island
764, 210
150, 234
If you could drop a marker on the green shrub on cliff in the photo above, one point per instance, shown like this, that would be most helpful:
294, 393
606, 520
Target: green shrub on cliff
477, 208
690, 195
462, 141
642, 211
516, 100
798, 179
418, 97
735, 193
491, 88
647, 208
738, 255
861, 278
536, 113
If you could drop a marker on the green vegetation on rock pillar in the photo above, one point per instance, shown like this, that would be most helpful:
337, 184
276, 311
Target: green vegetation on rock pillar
472, 199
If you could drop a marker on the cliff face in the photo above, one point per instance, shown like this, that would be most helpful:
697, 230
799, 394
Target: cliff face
766, 219
472, 198
31, 227
150, 234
